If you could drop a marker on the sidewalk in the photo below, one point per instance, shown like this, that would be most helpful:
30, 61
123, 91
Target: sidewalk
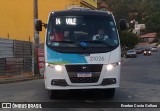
17, 78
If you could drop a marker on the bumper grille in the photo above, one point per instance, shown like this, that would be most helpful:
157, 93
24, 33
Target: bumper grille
94, 69
84, 79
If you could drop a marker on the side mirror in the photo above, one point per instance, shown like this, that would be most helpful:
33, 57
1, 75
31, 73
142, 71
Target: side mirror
122, 24
38, 25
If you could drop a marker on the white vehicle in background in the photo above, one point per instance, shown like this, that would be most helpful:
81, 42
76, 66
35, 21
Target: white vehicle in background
154, 49
131, 53
73, 60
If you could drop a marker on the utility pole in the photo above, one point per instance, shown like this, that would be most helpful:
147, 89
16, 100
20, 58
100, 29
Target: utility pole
35, 40
36, 33
35, 9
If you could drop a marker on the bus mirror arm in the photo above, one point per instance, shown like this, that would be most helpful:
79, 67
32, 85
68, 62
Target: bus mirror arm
44, 25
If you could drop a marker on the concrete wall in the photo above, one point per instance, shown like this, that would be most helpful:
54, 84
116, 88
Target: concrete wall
15, 56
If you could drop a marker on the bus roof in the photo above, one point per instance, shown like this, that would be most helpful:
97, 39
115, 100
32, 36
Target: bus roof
81, 11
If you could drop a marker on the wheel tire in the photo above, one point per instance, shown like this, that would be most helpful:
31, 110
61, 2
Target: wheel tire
53, 94
109, 93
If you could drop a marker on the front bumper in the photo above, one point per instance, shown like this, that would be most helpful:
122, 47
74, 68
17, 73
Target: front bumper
64, 80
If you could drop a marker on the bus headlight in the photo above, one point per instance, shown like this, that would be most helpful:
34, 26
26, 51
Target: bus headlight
46, 64
112, 66
58, 68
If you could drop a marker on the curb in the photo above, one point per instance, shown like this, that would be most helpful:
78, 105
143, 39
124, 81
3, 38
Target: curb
16, 80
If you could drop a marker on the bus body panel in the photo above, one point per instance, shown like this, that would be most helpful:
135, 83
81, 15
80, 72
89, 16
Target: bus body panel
51, 74
64, 59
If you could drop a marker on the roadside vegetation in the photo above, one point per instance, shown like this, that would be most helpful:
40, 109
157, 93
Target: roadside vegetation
144, 11
128, 39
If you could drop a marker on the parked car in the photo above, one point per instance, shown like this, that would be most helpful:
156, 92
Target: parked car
138, 51
147, 51
154, 49
131, 53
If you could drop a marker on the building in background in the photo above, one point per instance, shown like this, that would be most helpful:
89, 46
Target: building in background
149, 37
138, 28
17, 16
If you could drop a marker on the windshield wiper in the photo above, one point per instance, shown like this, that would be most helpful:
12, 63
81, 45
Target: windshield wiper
78, 44
74, 42
100, 42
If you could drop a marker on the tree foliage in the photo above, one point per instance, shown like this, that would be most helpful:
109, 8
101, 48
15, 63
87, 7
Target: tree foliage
128, 39
143, 11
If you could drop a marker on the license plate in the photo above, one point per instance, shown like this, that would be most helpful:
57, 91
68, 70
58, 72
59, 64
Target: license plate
84, 74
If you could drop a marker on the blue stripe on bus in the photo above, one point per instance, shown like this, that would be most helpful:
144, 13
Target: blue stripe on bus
55, 57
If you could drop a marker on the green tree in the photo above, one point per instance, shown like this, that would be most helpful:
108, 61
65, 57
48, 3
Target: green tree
143, 11
153, 22
128, 39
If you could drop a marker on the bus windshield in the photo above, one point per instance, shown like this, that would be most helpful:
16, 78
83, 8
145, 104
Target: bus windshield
82, 32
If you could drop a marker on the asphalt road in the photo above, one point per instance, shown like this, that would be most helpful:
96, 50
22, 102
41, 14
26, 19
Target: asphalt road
140, 82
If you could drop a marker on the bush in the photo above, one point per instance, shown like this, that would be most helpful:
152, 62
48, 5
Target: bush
158, 43
128, 39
